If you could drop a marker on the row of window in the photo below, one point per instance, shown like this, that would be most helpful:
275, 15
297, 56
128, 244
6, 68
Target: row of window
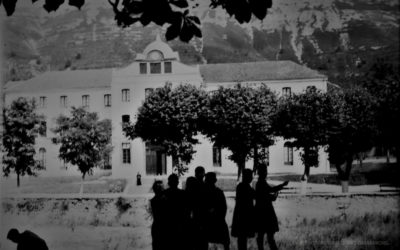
155, 68
287, 156
216, 155
85, 100
287, 91
126, 96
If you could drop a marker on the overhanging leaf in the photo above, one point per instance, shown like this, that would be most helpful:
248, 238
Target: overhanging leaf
77, 3
52, 5
9, 6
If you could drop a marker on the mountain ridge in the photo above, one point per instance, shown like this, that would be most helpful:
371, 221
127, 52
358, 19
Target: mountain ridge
332, 36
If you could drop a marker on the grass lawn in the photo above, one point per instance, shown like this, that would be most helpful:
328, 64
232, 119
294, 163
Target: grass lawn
367, 174
95, 183
366, 222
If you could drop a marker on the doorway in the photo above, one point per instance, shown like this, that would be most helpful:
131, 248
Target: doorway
156, 160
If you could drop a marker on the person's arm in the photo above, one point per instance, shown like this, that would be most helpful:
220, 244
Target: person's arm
278, 187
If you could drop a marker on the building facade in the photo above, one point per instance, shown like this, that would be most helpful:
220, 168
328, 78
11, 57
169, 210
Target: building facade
117, 94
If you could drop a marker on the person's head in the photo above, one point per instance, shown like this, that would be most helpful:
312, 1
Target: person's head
211, 178
13, 235
173, 181
199, 172
190, 183
158, 187
262, 171
247, 176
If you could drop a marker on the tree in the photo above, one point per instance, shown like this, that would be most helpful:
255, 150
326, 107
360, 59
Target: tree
175, 13
383, 82
169, 118
351, 128
83, 139
301, 120
239, 119
21, 125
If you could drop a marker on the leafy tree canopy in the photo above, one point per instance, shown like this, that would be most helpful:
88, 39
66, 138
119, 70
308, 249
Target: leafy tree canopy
175, 13
239, 119
169, 117
21, 126
302, 120
82, 138
351, 126
383, 82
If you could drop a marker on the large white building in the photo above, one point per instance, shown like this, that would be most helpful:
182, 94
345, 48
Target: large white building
118, 93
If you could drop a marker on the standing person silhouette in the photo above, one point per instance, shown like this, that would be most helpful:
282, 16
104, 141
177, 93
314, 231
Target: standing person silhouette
177, 219
198, 200
266, 220
157, 206
216, 227
26, 240
243, 214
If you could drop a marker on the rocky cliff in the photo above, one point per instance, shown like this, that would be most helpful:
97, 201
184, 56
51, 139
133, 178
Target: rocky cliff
333, 36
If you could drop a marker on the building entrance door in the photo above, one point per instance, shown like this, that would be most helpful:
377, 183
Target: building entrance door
156, 160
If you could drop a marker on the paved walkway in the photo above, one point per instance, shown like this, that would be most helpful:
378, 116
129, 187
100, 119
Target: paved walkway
134, 191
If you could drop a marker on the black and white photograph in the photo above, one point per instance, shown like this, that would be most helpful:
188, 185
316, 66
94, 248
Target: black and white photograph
199, 124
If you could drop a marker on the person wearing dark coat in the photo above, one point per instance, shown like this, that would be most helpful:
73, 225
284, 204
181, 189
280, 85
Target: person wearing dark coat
177, 219
198, 209
216, 227
157, 206
266, 220
26, 240
243, 213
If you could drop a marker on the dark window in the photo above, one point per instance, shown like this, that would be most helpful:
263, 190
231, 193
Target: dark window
107, 100
155, 68
288, 155
143, 68
148, 92
42, 102
63, 101
85, 101
126, 95
217, 156
126, 153
125, 119
265, 153
286, 92
311, 89
42, 157
43, 128
167, 67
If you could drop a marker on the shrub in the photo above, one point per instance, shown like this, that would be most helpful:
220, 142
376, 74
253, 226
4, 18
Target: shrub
122, 205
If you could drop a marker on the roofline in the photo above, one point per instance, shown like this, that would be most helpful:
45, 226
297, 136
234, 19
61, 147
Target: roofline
55, 90
274, 81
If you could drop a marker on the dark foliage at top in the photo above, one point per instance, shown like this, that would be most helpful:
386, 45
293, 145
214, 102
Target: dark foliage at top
176, 13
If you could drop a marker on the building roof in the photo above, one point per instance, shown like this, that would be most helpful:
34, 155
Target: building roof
158, 45
211, 73
256, 71
64, 80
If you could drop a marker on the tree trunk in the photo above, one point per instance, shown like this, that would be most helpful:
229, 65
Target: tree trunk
81, 189
256, 159
340, 171
241, 166
345, 186
304, 180
346, 175
17, 179
387, 156
349, 164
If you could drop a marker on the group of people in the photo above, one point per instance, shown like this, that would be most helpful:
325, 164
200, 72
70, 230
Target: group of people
194, 217
189, 218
